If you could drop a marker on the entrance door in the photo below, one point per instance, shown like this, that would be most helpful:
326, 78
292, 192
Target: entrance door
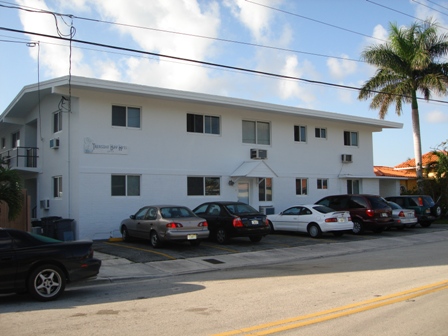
243, 192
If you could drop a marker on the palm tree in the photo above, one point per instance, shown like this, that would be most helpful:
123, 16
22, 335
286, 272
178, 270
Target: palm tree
10, 190
407, 63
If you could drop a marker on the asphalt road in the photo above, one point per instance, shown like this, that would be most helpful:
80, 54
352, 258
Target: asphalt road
140, 251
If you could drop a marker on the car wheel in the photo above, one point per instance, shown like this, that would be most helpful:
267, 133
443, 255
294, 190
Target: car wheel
155, 240
125, 234
46, 283
196, 242
314, 231
255, 239
425, 224
271, 226
338, 234
221, 235
436, 211
358, 227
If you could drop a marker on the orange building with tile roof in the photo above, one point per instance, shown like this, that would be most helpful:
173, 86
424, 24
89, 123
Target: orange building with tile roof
406, 170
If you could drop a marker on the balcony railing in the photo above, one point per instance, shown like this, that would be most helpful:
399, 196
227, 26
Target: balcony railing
20, 157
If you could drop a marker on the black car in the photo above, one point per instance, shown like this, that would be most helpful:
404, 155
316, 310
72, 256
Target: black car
42, 266
233, 219
426, 210
368, 212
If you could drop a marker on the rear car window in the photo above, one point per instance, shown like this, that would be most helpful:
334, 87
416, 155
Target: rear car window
377, 202
239, 209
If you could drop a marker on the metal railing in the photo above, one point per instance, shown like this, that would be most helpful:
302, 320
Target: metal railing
20, 157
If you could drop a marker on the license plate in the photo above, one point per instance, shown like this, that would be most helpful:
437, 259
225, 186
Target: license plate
341, 219
254, 222
383, 214
192, 236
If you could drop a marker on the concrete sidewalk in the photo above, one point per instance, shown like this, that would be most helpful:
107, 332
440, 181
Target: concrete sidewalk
116, 269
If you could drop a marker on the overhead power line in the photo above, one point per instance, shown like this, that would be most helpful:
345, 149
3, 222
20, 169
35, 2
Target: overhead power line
229, 67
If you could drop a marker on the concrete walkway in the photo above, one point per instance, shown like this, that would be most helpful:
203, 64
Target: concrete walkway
116, 269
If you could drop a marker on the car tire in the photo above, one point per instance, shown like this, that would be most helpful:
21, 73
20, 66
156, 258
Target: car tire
255, 239
221, 236
46, 283
155, 240
125, 234
358, 227
436, 211
195, 242
271, 227
314, 231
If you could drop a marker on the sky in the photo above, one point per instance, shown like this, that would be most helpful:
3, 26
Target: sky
311, 40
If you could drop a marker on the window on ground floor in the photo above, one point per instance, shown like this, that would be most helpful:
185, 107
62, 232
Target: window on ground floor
125, 185
57, 186
203, 186
322, 183
353, 186
301, 186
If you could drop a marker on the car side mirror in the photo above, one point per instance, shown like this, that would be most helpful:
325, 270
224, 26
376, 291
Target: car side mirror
132, 216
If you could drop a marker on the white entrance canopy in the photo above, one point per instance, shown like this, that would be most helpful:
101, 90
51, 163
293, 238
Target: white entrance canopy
254, 168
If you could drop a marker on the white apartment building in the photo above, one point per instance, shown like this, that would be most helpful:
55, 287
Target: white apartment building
96, 151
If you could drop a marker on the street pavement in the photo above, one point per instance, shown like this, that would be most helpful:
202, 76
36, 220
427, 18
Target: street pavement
115, 269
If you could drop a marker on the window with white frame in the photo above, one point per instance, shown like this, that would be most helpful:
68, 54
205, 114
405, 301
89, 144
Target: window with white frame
320, 133
57, 121
203, 186
322, 183
353, 186
124, 116
57, 186
197, 123
15, 140
256, 132
125, 185
300, 133
265, 189
301, 186
350, 138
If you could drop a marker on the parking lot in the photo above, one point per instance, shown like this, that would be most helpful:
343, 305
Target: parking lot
140, 251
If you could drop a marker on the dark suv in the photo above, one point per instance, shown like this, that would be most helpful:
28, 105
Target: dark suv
368, 212
425, 209
233, 219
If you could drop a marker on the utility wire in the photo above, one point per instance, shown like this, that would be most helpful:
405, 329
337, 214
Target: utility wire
202, 62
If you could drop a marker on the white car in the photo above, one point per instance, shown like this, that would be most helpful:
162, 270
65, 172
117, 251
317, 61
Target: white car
313, 219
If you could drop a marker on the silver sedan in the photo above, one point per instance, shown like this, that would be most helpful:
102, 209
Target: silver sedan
161, 223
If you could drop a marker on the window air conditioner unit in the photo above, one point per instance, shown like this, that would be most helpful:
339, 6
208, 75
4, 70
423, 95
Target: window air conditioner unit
258, 154
54, 143
346, 158
267, 210
45, 204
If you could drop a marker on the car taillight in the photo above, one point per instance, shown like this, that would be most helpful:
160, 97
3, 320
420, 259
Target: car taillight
203, 224
266, 222
370, 213
401, 214
237, 222
420, 201
331, 220
173, 225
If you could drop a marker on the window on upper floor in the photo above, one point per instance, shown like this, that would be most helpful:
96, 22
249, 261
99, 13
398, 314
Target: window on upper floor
123, 116
320, 133
350, 138
57, 186
322, 183
265, 189
256, 132
203, 186
301, 186
300, 133
197, 123
57, 121
125, 185
15, 140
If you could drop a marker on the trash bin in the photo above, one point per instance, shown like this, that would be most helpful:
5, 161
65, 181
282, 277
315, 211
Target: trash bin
64, 229
48, 226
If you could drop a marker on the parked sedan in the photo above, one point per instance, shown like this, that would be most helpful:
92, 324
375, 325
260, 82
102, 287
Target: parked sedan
42, 266
162, 223
402, 217
233, 219
314, 219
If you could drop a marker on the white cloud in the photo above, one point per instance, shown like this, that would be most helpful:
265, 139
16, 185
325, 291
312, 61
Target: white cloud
436, 117
340, 68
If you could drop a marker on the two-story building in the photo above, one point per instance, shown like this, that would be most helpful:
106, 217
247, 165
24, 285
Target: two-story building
96, 151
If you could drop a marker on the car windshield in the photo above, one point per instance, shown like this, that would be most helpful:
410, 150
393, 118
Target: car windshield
240, 209
176, 212
323, 209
